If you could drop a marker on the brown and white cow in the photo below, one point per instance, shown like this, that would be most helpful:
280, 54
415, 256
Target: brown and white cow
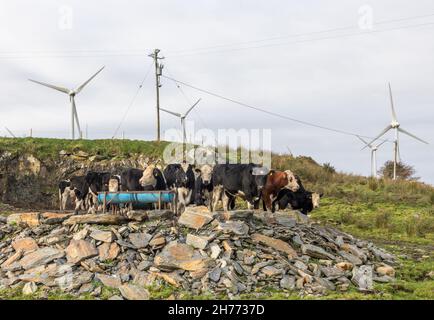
276, 181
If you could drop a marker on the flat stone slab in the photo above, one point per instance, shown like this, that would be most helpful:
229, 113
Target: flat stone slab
195, 217
103, 219
180, 256
79, 250
30, 219
40, 257
134, 292
276, 244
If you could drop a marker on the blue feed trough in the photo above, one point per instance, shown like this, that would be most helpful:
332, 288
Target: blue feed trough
135, 197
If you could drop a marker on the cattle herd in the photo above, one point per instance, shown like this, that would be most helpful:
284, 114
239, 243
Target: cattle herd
195, 185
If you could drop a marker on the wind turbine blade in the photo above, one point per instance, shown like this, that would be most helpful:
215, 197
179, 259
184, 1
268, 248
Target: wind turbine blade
361, 139
191, 108
399, 153
364, 142
10, 132
382, 143
84, 84
411, 135
380, 135
391, 105
172, 113
61, 89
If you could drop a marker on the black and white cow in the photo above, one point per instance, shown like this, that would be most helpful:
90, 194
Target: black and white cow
203, 185
231, 180
180, 177
98, 182
130, 180
65, 193
80, 187
302, 200
152, 179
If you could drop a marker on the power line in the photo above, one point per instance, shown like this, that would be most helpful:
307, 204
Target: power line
307, 40
350, 27
188, 100
348, 133
198, 51
132, 101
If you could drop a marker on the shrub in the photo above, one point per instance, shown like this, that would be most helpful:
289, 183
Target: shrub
382, 219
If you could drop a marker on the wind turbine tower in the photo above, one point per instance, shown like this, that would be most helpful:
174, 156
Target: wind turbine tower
182, 117
396, 127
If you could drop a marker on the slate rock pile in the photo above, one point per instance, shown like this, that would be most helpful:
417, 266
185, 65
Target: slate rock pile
219, 254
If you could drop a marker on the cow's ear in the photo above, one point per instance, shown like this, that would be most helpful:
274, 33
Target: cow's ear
197, 170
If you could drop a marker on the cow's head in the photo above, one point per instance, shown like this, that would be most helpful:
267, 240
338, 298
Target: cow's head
205, 173
315, 199
181, 177
292, 181
113, 185
260, 174
148, 178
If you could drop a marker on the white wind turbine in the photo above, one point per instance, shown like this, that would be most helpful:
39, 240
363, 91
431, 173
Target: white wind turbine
72, 94
182, 117
396, 126
374, 149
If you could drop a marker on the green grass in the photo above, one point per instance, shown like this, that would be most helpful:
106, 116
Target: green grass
391, 221
49, 148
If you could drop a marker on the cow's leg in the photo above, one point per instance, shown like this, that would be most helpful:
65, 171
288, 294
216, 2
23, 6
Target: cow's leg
226, 201
78, 205
188, 198
267, 200
181, 200
60, 200
64, 200
216, 196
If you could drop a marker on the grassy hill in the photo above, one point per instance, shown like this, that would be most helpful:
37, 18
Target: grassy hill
397, 214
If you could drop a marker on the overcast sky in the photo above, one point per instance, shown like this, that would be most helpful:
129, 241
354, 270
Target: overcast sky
328, 62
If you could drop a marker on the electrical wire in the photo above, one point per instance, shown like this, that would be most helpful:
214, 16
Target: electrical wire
381, 22
364, 33
132, 101
205, 50
348, 133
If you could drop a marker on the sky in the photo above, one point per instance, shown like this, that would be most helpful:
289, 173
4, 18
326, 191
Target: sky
323, 62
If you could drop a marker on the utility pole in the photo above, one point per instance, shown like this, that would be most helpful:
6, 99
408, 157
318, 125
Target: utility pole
158, 72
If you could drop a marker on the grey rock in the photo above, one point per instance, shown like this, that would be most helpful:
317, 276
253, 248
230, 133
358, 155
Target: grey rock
134, 292
362, 277
287, 282
332, 272
215, 274
350, 257
239, 228
316, 252
30, 288
300, 265
40, 257
140, 240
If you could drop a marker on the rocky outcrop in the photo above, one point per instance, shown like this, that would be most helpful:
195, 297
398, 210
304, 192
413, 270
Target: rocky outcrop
29, 182
208, 255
